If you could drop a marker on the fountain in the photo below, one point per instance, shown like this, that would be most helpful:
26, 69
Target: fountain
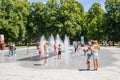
51, 43
56, 41
42, 42
59, 41
66, 43
66, 47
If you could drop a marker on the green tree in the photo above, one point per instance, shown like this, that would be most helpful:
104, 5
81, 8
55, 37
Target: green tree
52, 13
112, 19
13, 19
71, 13
36, 21
95, 21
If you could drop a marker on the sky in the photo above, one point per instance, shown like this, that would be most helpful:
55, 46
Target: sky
86, 3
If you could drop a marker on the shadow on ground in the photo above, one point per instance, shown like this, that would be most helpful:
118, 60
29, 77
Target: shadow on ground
85, 70
34, 58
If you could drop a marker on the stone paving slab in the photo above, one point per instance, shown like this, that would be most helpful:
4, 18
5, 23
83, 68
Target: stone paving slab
109, 64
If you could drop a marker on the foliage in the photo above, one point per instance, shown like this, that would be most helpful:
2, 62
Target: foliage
113, 19
13, 19
95, 21
21, 20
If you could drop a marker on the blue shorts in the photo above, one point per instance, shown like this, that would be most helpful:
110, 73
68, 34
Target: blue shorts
89, 55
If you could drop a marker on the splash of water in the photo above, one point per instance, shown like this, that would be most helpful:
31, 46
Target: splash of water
42, 42
66, 43
51, 43
59, 41
51, 40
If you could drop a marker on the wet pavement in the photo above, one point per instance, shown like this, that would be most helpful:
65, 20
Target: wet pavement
69, 60
70, 67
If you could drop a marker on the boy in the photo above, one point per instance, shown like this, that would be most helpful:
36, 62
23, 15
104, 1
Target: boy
59, 51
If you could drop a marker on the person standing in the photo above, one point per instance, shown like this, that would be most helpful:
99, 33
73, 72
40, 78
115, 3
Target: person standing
54, 48
46, 52
59, 51
89, 54
11, 49
96, 49
75, 45
14, 49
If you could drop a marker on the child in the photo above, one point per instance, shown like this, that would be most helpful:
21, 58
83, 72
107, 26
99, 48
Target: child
11, 49
89, 54
59, 51
55, 48
40, 53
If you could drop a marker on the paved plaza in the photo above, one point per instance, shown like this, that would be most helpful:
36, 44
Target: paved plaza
70, 67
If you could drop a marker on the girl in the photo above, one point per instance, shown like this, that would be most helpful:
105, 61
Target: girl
89, 54
40, 53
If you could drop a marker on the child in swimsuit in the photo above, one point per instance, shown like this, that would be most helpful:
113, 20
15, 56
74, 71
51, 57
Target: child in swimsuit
59, 51
40, 53
89, 54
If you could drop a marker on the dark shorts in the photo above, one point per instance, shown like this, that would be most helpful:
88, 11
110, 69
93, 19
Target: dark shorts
59, 52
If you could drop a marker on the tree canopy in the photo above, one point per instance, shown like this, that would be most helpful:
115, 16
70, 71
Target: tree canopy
21, 20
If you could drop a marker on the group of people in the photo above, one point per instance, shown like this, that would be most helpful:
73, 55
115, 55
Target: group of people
91, 51
46, 53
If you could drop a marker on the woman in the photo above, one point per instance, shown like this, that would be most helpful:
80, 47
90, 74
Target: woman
96, 48
46, 52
